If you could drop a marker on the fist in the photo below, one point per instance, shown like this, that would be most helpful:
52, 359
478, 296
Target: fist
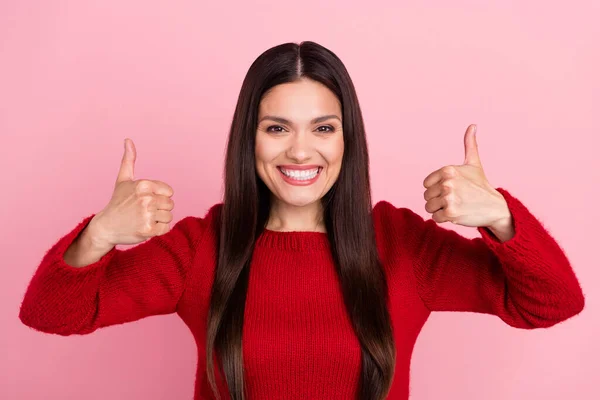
137, 210
461, 194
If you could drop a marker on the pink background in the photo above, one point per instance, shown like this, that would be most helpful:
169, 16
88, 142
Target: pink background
79, 76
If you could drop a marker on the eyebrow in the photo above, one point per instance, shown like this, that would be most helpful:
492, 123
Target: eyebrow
285, 121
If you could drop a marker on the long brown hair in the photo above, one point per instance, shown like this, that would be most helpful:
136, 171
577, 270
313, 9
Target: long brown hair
347, 215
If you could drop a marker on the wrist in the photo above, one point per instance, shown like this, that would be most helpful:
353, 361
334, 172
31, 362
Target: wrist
503, 216
503, 225
95, 237
87, 248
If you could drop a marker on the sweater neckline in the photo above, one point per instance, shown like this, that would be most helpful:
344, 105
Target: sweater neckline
293, 240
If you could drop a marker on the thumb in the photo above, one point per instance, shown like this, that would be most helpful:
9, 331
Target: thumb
128, 162
471, 150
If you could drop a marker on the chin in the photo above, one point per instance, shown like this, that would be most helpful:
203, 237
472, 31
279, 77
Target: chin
299, 202
298, 199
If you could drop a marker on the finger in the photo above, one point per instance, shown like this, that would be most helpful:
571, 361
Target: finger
471, 149
445, 173
435, 204
162, 189
126, 169
163, 203
163, 216
160, 228
432, 178
434, 191
440, 216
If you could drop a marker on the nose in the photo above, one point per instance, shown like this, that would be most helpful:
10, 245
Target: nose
300, 148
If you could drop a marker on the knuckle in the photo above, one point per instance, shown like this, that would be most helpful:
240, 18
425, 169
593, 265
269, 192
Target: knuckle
166, 187
149, 217
448, 171
145, 201
143, 186
448, 184
448, 199
451, 211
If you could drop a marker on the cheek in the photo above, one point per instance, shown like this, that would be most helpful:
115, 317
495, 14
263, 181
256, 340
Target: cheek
334, 154
265, 153
265, 150
259, 159
259, 151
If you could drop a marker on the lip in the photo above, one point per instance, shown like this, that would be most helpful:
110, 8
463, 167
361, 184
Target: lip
299, 167
295, 182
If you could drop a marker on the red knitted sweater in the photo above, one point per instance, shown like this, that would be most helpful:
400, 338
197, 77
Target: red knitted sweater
297, 339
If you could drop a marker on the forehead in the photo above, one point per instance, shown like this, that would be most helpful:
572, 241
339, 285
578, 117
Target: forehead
302, 99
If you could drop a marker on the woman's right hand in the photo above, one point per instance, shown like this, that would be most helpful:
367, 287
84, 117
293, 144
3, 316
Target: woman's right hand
137, 210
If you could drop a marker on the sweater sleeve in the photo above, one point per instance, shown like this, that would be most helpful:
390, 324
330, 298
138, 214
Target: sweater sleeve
526, 281
123, 286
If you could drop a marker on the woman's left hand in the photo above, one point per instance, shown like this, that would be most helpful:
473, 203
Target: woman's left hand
461, 194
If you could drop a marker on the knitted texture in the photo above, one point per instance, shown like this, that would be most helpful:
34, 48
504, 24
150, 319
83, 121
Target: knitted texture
298, 341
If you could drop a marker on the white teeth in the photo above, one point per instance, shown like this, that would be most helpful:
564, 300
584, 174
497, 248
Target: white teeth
300, 175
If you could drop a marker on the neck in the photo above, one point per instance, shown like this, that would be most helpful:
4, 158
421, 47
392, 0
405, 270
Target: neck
286, 217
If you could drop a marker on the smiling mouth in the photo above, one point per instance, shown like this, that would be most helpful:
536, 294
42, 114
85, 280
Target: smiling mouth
296, 175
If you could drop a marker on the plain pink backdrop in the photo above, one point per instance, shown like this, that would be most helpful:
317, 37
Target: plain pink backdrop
76, 77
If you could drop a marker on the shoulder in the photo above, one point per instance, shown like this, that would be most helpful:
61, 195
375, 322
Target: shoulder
386, 216
396, 227
194, 227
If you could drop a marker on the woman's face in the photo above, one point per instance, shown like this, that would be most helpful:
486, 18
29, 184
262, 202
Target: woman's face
299, 141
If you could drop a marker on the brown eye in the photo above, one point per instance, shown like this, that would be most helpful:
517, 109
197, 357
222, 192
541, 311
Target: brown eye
275, 128
328, 128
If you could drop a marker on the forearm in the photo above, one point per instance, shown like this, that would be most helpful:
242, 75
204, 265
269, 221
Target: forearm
540, 279
63, 299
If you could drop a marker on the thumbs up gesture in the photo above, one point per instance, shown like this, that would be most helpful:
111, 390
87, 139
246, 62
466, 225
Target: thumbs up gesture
461, 194
137, 210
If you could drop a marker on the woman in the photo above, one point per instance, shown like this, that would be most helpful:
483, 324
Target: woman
326, 293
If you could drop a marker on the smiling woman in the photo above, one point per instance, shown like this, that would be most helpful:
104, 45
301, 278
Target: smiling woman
295, 286
298, 109
300, 158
